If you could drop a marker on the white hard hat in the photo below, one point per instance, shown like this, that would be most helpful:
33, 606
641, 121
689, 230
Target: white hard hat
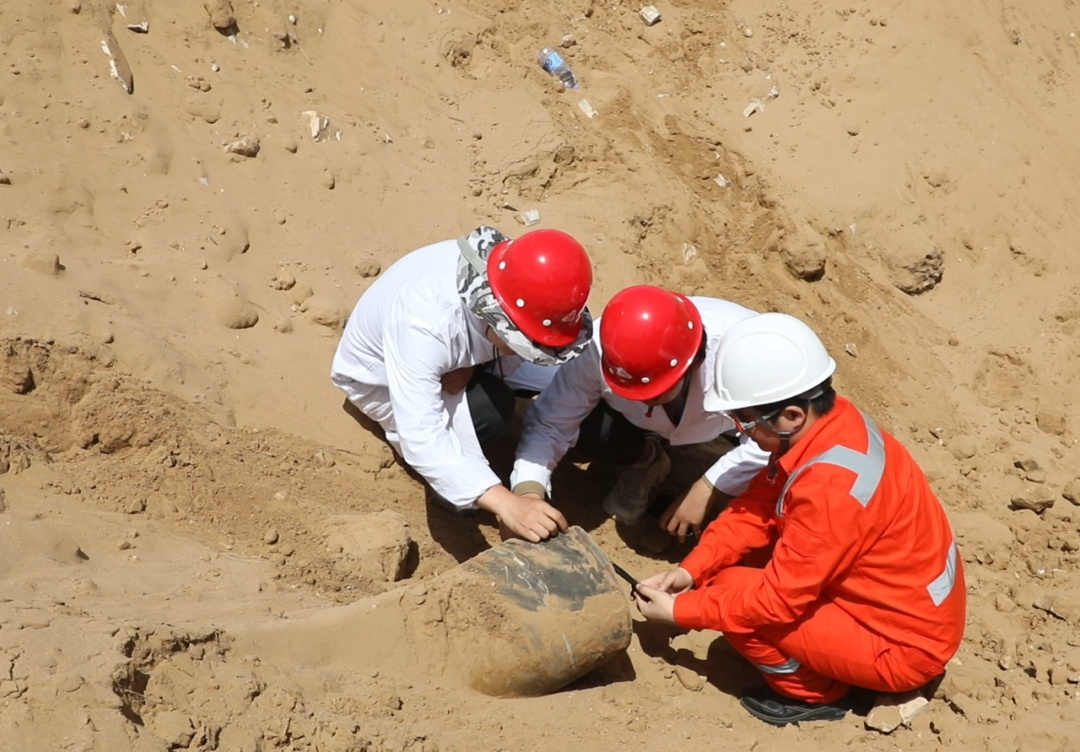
765, 359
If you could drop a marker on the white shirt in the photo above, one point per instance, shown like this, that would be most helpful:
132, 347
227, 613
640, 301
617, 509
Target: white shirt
407, 330
552, 422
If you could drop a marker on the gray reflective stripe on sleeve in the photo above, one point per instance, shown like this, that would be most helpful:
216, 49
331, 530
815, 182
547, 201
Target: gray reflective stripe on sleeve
790, 666
868, 467
943, 584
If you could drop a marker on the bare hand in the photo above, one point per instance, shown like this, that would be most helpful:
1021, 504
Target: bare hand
527, 517
654, 604
673, 581
687, 513
455, 381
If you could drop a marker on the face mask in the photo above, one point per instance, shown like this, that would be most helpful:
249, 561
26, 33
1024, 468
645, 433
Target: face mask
475, 290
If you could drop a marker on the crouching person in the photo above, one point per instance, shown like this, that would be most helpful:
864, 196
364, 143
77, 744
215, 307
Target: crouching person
865, 586
435, 347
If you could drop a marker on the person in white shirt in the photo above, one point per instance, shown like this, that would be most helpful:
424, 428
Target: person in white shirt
447, 331
640, 384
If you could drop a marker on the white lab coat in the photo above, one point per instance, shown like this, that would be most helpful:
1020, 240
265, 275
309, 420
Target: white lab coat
407, 330
552, 422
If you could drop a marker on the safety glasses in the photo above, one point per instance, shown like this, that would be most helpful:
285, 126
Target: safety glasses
746, 426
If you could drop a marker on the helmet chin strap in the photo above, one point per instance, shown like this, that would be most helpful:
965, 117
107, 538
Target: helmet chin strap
785, 436
785, 444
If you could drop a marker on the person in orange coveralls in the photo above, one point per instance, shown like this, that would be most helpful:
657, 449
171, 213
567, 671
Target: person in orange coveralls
864, 586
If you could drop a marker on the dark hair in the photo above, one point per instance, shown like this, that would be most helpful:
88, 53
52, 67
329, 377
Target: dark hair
821, 399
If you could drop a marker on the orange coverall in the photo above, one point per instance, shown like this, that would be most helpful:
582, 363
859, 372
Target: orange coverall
865, 586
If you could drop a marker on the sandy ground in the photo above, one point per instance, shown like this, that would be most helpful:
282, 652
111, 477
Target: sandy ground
177, 473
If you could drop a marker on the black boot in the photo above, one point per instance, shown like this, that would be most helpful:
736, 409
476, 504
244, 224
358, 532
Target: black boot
777, 710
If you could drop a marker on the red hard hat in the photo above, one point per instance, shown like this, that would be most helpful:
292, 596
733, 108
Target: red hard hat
649, 337
542, 280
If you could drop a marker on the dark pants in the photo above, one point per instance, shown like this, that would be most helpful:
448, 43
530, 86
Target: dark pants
491, 405
607, 436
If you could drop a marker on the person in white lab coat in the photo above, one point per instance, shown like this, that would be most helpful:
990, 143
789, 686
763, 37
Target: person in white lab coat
434, 347
639, 385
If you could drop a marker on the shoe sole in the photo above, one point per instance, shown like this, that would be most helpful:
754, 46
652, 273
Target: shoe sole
810, 714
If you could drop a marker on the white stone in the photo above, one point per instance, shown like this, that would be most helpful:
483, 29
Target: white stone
756, 105
892, 711
650, 15
588, 109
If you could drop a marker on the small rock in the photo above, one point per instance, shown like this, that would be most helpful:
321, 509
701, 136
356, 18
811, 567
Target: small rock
803, 252
143, 27
1072, 492
1037, 500
328, 180
1063, 606
248, 146
689, 678
368, 268
892, 711
852, 349
326, 314
1051, 420
963, 447
283, 281
3, 501
916, 271
270, 537
650, 15
4, 179
323, 459
853, 130
283, 326
567, 41
1027, 465
1035, 476
221, 15
320, 126
755, 105
587, 109
237, 313
45, 262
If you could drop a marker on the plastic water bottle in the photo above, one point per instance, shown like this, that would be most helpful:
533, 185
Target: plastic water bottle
553, 63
